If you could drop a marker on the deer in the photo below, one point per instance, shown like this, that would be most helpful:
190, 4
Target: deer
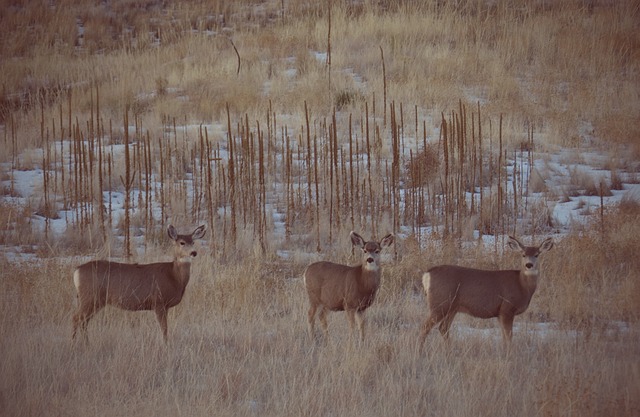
336, 287
135, 287
483, 294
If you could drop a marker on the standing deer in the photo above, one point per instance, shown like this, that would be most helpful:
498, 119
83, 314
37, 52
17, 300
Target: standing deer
335, 287
157, 286
483, 294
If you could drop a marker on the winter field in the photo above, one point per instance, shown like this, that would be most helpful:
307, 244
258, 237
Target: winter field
282, 126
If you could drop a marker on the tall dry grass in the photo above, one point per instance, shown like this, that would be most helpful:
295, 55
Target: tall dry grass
532, 74
329, 148
239, 346
551, 66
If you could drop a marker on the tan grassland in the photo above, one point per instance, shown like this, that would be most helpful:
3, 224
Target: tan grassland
283, 125
239, 345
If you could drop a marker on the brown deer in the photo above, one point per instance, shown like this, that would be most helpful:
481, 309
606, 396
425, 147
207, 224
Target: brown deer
157, 286
483, 294
336, 287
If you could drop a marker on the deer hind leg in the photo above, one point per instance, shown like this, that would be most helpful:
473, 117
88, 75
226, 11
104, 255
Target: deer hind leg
445, 325
311, 320
79, 322
429, 323
81, 319
322, 316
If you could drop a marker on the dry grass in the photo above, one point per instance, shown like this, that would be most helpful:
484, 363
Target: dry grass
475, 51
238, 346
238, 342
552, 65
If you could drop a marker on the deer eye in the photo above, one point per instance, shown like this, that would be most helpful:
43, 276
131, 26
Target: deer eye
182, 243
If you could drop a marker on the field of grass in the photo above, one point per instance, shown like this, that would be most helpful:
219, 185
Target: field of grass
283, 125
238, 346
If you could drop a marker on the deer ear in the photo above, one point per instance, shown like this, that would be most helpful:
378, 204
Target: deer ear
199, 232
172, 232
387, 240
546, 245
357, 240
515, 244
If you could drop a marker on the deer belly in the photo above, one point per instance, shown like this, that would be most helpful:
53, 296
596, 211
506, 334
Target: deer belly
333, 305
521, 309
136, 304
366, 303
481, 312
134, 301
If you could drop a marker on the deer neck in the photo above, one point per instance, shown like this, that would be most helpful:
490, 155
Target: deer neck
529, 281
369, 278
182, 271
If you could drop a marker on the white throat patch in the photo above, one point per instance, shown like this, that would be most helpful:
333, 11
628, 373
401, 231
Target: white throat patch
185, 259
371, 266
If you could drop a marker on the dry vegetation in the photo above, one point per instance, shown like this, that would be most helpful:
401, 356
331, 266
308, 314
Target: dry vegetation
239, 346
284, 125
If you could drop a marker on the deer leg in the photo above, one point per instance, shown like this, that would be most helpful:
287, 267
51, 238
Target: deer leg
81, 319
78, 321
360, 321
445, 324
351, 316
431, 321
506, 321
323, 321
161, 315
311, 318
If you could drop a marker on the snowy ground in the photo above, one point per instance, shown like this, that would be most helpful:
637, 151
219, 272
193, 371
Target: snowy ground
568, 204
563, 174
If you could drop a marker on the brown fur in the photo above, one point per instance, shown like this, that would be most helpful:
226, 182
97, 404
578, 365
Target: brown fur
157, 286
484, 294
335, 287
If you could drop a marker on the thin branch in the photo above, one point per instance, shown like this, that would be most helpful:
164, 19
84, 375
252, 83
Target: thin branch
237, 54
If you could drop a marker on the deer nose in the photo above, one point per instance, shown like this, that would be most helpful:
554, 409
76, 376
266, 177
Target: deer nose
370, 260
193, 254
529, 265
